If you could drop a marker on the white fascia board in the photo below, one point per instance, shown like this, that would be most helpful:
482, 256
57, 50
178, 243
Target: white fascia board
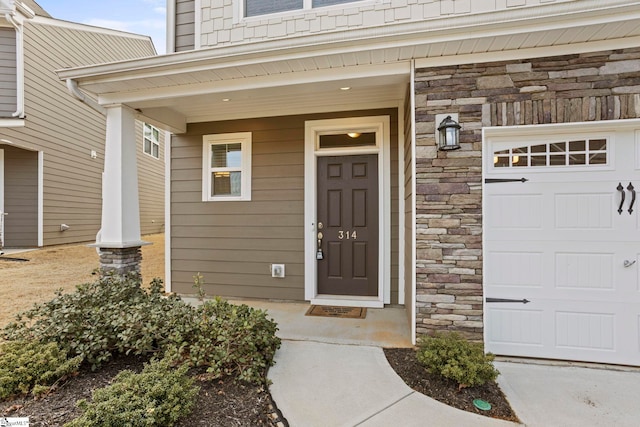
512, 21
12, 123
260, 82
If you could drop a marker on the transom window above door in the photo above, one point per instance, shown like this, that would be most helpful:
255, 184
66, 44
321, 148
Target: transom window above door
347, 140
573, 152
265, 7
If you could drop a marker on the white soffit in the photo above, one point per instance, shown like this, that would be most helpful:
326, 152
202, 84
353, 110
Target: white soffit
302, 74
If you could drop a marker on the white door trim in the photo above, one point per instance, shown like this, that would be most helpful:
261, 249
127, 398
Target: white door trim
314, 128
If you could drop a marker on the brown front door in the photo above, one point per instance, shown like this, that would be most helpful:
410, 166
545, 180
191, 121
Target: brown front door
348, 225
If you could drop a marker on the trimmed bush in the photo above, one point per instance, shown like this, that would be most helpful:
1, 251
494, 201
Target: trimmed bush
453, 357
226, 339
116, 316
112, 315
32, 367
158, 396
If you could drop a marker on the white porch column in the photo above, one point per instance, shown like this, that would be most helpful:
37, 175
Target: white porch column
120, 239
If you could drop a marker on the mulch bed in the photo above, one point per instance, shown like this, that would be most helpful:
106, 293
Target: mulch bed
227, 402
406, 365
220, 402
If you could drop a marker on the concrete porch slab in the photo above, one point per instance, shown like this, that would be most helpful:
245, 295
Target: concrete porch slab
383, 327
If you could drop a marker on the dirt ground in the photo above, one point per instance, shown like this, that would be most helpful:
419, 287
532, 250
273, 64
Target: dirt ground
24, 283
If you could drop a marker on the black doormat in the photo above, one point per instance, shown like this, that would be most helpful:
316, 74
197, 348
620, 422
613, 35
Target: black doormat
336, 311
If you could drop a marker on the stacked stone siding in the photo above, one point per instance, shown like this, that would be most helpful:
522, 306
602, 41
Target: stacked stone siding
571, 88
121, 261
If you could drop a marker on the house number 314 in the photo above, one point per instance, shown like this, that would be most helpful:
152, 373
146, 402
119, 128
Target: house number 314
347, 235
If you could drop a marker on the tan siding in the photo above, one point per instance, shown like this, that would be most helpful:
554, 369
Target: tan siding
150, 186
232, 244
8, 82
185, 25
408, 206
394, 207
64, 129
20, 197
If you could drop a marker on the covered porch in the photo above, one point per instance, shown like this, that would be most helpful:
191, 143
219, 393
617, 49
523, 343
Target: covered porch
195, 94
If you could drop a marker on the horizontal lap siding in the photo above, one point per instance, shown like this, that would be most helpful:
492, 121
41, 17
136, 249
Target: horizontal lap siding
151, 185
185, 25
66, 130
232, 244
8, 93
408, 204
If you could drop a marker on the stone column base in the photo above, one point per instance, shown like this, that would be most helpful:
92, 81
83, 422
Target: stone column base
121, 260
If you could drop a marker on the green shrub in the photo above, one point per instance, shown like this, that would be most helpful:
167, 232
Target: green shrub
32, 367
158, 396
226, 339
115, 315
112, 315
453, 357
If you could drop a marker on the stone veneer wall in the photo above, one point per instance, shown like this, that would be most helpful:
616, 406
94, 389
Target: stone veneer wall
121, 260
570, 88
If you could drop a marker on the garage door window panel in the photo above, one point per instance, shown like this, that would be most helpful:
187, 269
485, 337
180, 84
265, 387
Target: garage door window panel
579, 152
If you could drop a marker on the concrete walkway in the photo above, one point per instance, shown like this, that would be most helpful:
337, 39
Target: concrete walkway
333, 372
319, 385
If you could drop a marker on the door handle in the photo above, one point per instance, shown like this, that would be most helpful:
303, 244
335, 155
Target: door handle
620, 188
319, 254
633, 197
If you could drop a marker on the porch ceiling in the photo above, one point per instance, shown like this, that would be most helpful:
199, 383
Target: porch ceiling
305, 74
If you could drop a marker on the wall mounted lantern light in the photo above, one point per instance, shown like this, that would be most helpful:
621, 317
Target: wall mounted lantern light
449, 131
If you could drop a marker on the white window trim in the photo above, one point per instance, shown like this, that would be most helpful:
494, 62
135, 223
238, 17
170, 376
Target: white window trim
244, 138
153, 140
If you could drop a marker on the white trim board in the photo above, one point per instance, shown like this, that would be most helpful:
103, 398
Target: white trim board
40, 198
313, 128
167, 211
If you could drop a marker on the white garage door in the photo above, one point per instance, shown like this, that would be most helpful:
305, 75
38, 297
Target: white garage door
562, 249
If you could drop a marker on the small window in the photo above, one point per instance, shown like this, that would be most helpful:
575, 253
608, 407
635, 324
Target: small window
226, 167
265, 7
582, 152
151, 141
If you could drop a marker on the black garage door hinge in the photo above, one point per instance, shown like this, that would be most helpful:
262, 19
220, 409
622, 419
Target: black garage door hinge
523, 301
496, 180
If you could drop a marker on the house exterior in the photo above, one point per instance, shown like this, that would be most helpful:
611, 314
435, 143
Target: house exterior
305, 161
52, 146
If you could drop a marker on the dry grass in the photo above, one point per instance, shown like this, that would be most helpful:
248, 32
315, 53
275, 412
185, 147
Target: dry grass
23, 284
